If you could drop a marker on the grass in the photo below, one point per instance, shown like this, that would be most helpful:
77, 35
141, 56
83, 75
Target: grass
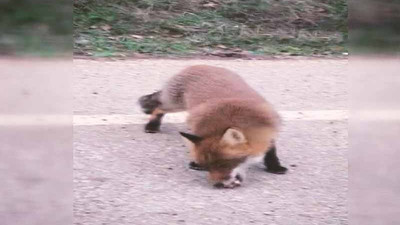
184, 27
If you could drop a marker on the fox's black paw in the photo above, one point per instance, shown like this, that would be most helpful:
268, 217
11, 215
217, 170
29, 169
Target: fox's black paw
196, 166
152, 127
277, 170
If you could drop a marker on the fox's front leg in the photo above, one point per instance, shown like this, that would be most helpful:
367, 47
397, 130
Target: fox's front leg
195, 166
271, 161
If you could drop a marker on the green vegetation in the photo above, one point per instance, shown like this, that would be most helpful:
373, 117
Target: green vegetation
191, 27
375, 27
39, 28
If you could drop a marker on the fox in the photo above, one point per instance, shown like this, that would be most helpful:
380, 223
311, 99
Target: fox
231, 125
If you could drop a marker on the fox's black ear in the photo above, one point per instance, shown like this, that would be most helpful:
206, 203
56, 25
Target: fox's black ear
191, 137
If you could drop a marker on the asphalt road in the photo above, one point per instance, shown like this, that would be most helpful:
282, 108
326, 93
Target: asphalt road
125, 176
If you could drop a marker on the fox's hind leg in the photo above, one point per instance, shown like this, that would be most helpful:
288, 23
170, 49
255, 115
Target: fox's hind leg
271, 161
159, 103
151, 105
153, 126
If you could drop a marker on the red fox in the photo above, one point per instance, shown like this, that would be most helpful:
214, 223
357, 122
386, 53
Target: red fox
231, 124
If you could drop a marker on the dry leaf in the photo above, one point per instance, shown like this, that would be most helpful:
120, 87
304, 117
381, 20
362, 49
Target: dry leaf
106, 27
210, 5
137, 36
222, 46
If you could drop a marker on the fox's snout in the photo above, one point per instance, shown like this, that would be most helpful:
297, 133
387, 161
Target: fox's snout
222, 180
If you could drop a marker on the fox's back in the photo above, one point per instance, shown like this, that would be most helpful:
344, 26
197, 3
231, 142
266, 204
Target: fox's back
217, 99
198, 84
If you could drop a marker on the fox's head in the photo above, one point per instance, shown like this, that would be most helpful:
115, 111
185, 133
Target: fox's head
222, 155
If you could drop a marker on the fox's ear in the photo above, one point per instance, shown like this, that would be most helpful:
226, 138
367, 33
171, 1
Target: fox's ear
233, 137
191, 137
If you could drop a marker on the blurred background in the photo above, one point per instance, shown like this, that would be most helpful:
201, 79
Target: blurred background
374, 103
36, 112
374, 27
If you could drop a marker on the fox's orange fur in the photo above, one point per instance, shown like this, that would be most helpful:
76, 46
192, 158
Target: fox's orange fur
229, 120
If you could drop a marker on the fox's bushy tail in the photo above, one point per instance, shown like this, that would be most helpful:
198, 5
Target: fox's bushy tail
150, 102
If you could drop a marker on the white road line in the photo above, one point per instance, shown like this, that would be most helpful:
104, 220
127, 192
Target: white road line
88, 120
120, 119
